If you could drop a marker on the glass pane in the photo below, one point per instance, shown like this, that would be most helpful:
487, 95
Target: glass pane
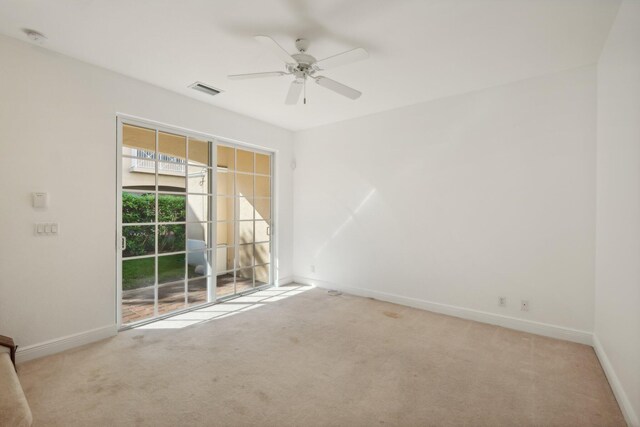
198, 209
244, 185
224, 183
140, 240
262, 275
138, 273
171, 208
245, 231
225, 285
199, 179
245, 161
262, 208
200, 264
262, 231
171, 177
224, 234
138, 277
170, 268
198, 151
262, 253
231, 257
138, 174
244, 279
225, 209
245, 208
171, 238
263, 186
137, 305
172, 148
197, 291
226, 157
263, 164
170, 297
224, 259
137, 207
198, 236
245, 255
138, 141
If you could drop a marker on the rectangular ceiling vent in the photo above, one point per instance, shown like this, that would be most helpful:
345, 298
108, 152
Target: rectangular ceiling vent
209, 90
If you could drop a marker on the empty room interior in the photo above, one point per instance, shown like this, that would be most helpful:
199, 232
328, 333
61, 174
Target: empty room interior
320, 213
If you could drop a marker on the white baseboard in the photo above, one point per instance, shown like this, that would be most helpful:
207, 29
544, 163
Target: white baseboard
285, 280
60, 344
545, 329
621, 396
70, 341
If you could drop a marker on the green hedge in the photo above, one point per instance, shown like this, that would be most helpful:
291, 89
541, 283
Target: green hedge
140, 208
140, 273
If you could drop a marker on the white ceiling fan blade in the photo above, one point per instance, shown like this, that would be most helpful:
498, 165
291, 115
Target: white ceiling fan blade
294, 92
338, 87
257, 75
357, 54
272, 45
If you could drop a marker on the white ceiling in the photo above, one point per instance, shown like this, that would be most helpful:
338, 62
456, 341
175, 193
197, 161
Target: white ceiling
420, 49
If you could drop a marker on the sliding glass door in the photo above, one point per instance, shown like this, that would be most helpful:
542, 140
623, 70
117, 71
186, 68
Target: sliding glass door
190, 231
244, 182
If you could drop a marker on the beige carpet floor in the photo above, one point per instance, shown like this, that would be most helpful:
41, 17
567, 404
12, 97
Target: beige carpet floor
319, 360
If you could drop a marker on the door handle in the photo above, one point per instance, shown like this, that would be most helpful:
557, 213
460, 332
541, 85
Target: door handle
123, 243
269, 231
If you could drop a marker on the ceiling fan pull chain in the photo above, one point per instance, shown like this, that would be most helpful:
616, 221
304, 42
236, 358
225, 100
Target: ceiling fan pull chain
305, 90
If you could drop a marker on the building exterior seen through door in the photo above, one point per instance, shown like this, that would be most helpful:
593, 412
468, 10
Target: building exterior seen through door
191, 232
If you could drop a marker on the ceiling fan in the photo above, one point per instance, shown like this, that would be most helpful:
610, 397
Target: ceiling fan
304, 66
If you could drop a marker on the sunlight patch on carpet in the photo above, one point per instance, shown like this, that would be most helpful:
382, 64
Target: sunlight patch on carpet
228, 308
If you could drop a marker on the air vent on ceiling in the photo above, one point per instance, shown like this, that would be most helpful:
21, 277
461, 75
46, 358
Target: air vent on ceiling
209, 90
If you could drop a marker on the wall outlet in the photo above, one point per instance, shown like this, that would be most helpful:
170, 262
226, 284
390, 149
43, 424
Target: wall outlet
502, 301
524, 305
313, 268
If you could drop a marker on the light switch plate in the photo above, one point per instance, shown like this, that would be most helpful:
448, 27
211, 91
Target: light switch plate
47, 228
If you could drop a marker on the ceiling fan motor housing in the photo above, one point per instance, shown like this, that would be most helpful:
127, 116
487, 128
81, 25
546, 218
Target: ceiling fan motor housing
305, 63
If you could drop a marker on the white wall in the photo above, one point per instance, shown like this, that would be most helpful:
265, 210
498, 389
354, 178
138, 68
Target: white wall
617, 320
459, 201
58, 134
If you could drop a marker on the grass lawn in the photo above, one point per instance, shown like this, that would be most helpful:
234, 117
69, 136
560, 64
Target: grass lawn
138, 273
